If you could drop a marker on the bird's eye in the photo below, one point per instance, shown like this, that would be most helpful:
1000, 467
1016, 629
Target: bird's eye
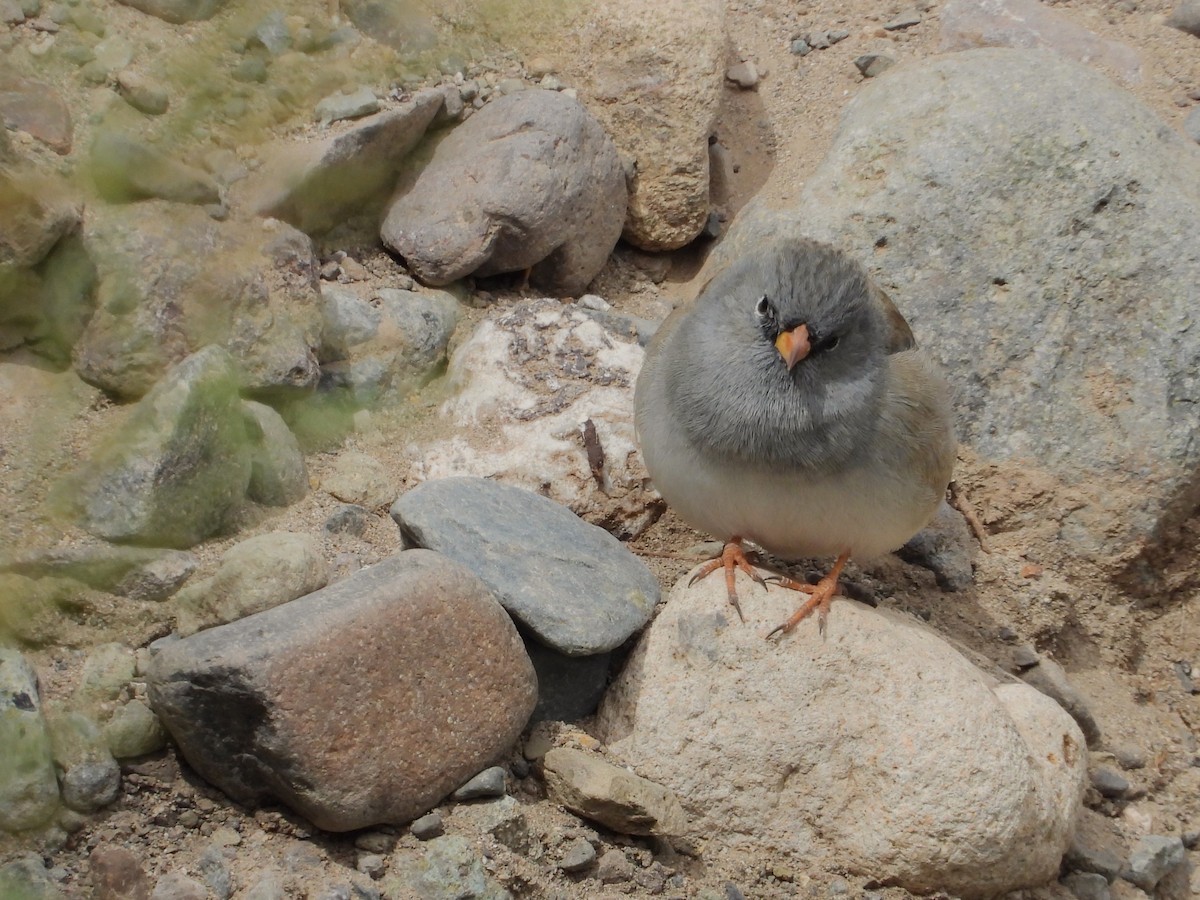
763, 307
821, 343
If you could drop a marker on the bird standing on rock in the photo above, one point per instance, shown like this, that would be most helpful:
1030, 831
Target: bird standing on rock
790, 406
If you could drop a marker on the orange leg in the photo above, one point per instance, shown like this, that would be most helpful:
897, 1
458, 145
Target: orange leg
819, 596
732, 558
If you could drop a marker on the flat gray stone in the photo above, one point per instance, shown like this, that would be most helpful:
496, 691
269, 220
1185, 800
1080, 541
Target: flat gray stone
176, 469
315, 186
1153, 858
575, 586
286, 704
28, 789
1186, 16
545, 188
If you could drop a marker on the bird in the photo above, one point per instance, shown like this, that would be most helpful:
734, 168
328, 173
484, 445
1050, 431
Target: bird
789, 406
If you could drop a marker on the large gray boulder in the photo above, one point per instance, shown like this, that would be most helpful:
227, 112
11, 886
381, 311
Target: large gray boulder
531, 181
364, 703
176, 469
1037, 224
173, 280
877, 746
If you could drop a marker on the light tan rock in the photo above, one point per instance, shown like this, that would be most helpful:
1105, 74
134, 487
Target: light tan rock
879, 745
527, 382
616, 798
653, 75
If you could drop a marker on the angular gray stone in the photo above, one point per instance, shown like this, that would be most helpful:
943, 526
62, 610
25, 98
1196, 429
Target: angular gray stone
286, 704
1153, 859
960, 231
173, 280
124, 170
1087, 885
544, 187
946, 547
28, 789
999, 767
315, 186
616, 798
570, 583
278, 473
488, 783
352, 105
386, 345
178, 11
254, 575
1109, 783
177, 467
577, 856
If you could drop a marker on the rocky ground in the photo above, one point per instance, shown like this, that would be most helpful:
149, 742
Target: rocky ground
1128, 653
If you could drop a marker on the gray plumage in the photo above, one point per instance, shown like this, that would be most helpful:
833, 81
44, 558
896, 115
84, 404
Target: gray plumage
849, 450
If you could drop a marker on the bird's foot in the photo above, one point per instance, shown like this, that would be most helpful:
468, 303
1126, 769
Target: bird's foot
819, 597
732, 558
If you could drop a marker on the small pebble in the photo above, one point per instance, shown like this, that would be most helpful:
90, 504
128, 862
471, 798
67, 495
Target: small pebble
614, 866
372, 865
800, 47
1129, 757
906, 19
872, 65
1024, 657
839, 887
375, 842
488, 783
428, 826
578, 856
1109, 783
744, 75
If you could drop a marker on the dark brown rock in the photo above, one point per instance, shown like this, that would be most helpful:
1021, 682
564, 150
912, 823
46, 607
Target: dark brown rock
364, 703
117, 875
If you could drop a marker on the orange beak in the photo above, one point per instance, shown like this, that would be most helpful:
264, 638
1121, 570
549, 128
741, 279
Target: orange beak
793, 345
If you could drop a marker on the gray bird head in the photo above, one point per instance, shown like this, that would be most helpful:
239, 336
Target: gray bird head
782, 358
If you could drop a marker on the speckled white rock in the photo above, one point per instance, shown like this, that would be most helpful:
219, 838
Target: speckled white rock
527, 381
880, 746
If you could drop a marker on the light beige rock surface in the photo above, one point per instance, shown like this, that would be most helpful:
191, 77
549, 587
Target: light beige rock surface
879, 745
653, 75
